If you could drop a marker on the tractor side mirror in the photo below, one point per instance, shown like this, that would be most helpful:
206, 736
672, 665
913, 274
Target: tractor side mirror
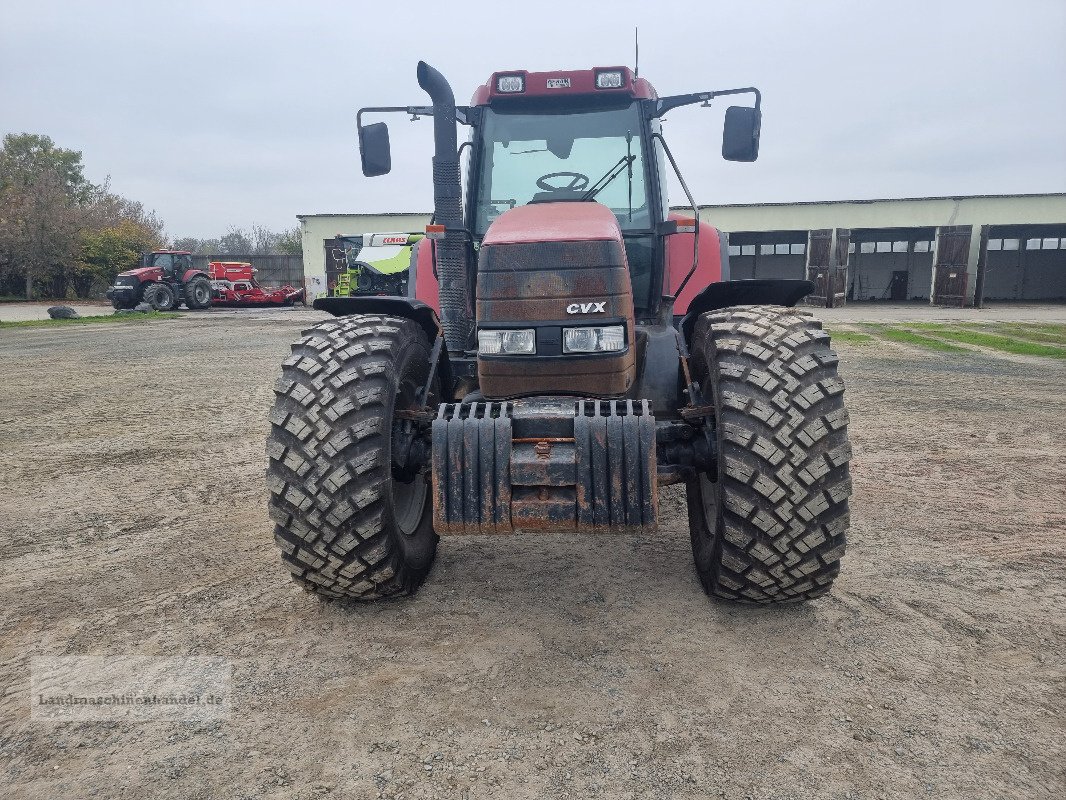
740, 137
374, 149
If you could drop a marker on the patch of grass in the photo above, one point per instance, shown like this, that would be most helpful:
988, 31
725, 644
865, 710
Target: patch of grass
902, 336
1004, 344
1049, 334
51, 323
850, 337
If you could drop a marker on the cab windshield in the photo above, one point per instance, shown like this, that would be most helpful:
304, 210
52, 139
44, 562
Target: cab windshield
164, 261
594, 155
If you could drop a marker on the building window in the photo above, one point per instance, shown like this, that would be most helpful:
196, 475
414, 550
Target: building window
1010, 244
781, 249
797, 249
747, 249
921, 247
734, 249
884, 247
766, 249
1050, 244
1032, 244
899, 247
851, 247
995, 244
867, 247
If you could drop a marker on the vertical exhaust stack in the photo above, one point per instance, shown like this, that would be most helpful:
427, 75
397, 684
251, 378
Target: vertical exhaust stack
452, 252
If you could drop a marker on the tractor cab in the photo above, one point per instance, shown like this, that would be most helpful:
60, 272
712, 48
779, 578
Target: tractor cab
587, 136
172, 264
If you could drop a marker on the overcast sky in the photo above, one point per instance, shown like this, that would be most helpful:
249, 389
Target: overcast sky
232, 113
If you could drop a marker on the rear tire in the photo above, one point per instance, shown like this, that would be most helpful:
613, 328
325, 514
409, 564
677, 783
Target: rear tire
771, 528
198, 293
346, 527
161, 297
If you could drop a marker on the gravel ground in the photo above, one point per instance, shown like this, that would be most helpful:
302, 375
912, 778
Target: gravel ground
22, 312
134, 523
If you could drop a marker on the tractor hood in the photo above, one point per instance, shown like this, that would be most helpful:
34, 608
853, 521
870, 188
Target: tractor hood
554, 222
556, 273
387, 260
143, 273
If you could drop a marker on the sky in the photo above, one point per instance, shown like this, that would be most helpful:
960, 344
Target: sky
221, 114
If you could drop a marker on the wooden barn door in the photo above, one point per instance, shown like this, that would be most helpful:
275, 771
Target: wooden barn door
950, 277
827, 266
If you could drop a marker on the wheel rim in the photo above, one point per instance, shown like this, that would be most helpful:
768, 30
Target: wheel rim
408, 503
200, 294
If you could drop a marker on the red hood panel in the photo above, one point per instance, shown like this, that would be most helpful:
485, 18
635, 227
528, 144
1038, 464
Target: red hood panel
140, 272
554, 222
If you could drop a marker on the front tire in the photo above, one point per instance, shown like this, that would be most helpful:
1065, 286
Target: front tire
345, 525
771, 527
161, 297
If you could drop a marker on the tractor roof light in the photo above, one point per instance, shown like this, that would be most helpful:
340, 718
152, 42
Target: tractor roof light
612, 79
510, 84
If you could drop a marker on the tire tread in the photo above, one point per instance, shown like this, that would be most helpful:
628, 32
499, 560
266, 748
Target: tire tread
784, 460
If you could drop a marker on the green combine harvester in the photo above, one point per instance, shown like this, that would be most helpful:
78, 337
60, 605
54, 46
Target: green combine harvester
375, 264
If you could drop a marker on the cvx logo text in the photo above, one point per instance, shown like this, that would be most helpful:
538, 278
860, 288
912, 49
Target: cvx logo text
587, 308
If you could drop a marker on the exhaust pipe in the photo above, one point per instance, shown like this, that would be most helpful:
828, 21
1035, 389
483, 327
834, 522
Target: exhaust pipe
456, 313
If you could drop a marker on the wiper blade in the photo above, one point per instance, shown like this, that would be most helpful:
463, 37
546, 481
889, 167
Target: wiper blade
612, 173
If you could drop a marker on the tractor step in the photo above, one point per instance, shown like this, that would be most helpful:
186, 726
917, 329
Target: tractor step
555, 464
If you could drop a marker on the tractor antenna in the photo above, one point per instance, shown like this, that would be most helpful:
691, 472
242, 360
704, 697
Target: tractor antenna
636, 54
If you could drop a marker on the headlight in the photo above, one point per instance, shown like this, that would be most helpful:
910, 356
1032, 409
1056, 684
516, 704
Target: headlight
510, 84
608, 339
509, 342
609, 80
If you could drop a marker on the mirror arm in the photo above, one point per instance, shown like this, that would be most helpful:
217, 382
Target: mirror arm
462, 113
695, 214
664, 104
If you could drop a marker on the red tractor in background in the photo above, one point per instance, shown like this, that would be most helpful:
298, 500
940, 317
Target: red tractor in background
165, 280
233, 283
567, 347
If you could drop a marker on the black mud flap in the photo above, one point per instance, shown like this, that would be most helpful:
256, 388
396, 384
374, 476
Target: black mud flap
545, 464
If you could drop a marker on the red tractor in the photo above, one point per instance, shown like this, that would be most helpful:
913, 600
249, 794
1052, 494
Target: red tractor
165, 280
567, 347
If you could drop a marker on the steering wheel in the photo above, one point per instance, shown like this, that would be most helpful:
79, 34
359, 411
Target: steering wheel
577, 182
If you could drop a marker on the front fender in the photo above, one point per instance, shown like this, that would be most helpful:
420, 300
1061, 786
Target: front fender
757, 292
376, 304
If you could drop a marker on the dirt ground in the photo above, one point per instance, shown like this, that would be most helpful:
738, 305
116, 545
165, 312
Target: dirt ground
133, 522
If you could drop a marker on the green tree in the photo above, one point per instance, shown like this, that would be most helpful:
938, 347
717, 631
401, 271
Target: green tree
291, 242
108, 251
25, 157
42, 193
